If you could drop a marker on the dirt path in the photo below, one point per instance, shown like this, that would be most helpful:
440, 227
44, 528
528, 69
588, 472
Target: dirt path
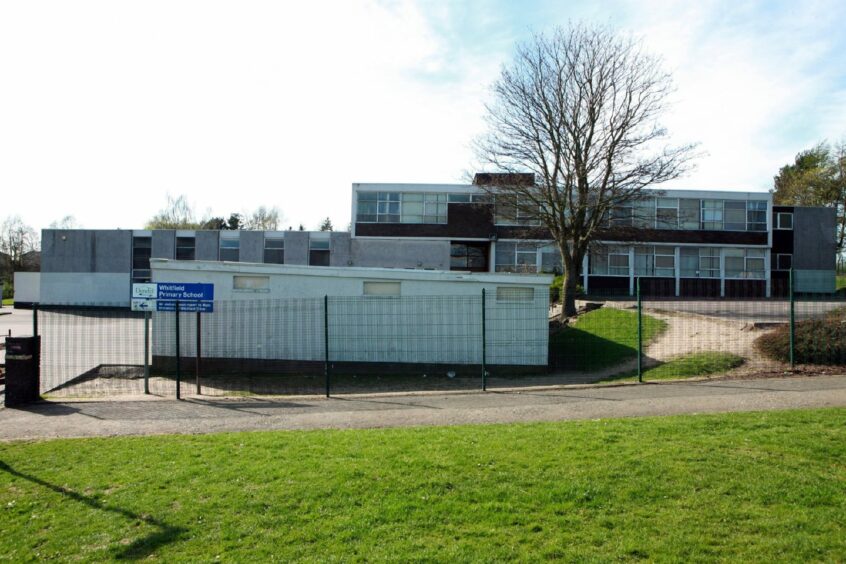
689, 333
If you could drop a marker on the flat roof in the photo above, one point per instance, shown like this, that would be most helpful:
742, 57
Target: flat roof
351, 272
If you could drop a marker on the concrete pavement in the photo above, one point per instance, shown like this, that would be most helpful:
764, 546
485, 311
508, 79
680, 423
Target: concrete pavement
151, 415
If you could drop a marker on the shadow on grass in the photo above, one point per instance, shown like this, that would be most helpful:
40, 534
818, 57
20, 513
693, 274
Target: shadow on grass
573, 349
138, 549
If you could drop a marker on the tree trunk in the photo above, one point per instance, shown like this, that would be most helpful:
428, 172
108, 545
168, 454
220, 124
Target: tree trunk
568, 292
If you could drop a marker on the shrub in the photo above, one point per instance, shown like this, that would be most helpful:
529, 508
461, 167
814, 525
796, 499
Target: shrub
8, 290
556, 287
816, 341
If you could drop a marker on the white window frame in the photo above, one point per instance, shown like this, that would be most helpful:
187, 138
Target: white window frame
778, 221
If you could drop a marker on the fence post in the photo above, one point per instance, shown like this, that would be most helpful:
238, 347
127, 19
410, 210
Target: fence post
792, 319
199, 350
484, 347
178, 375
326, 341
35, 319
146, 352
639, 333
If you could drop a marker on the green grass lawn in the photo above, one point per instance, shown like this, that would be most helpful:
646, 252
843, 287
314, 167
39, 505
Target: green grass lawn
755, 486
601, 338
840, 283
687, 366
8, 301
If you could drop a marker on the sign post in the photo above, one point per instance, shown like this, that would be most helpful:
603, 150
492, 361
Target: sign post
172, 297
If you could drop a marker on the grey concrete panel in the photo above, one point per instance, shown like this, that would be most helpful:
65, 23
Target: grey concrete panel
296, 247
814, 246
339, 245
391, 253
67, 250
113, 251
85, 288
252, 246
164, 243
207, 245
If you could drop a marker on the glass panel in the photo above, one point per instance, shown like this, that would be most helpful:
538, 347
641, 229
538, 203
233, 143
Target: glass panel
459, 198
318, 245
689, 257
668, 218
735, 216
688, 214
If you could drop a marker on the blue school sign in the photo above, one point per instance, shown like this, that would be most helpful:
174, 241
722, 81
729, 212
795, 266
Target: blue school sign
162, 296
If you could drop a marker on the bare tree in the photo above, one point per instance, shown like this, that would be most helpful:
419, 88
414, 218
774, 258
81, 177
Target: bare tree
67, 222
177, 214
263, 219
579, 109
17, 239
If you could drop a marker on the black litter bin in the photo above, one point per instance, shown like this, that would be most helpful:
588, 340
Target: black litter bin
23, 375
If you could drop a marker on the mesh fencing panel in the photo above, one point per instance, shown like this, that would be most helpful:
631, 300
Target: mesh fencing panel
380, 343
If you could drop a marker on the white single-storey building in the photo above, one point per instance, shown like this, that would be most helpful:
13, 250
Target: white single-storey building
270, 312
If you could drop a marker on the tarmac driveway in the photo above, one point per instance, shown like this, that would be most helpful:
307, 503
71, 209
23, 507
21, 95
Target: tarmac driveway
144, 416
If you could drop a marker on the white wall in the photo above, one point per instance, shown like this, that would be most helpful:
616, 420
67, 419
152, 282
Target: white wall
27, 287
437, 319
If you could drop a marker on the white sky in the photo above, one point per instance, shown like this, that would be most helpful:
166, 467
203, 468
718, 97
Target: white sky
106, 107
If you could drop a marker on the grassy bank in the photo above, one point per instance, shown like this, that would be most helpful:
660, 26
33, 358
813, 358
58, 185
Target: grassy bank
756, 486
600, 339
687, 366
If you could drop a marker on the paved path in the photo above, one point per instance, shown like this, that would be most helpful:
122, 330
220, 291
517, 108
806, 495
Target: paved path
202, 415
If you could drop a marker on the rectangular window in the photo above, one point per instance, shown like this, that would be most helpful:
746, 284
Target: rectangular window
551, 260
756, 215
185, 247
513, 294
229, 247
745, 263
366, 209
251, 283
784, 220
667, 213
643, 213
516, 257
468, 256
141, 251
405, 207
274, 250
655, 261
689, 211
784, 261
644, 261
379, 288
712, 215
703, 262
709, 262
735, 215
318, 252
504, 259
610, 260
527, 257
519, 212
621, 216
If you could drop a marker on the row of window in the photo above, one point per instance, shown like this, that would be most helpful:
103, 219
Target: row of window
229, 250
409, 207
526, 257
692, 214
694, 262
650, 213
